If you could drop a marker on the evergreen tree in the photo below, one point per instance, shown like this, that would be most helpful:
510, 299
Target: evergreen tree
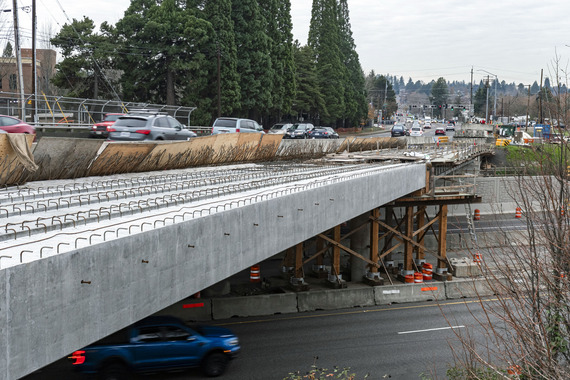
534, 88
309, 101
480, 101
85, 56
439, 93
355, 103
383, 96
162, 50
279, 29
8, 50
324, 39
254, 63
222, 49
410, 85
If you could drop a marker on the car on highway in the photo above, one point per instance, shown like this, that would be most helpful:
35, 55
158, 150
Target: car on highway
299, 131
333, 133
140, 126
440, 130
157, 344
100, 129
280, 128
235, 125
450, 127
416, 131
398, 130
322, 133
12, 125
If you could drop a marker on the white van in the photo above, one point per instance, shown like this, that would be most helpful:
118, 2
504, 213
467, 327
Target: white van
427, 122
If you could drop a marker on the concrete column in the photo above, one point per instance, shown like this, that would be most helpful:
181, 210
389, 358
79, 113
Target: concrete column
359, 242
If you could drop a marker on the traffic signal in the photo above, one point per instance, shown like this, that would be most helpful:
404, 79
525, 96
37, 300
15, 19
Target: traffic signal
440, 106
452, 107
446, 106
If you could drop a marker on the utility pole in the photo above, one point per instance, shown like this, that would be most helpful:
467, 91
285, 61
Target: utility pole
487, 102
19, 61
527, 108
540, 99
471, 91
34, 65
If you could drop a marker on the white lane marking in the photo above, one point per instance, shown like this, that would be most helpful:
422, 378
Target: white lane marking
439, 328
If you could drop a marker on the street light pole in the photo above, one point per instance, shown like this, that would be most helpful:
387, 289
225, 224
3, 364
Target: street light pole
496, 80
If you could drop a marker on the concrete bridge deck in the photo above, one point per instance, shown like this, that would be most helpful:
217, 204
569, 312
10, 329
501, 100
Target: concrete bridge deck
83, 258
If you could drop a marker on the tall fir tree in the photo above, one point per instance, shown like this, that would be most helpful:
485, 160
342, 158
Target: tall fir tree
355, 103
221, 49
309, 101
254, 62
324, 39
279, 29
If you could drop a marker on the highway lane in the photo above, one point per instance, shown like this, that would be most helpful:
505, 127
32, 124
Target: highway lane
400, 340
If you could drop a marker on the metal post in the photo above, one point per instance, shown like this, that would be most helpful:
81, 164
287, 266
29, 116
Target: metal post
19, 61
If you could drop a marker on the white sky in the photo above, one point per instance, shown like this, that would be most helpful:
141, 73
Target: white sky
425, 40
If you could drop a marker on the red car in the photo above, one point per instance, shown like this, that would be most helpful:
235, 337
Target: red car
12, 125
101, 129
440, 131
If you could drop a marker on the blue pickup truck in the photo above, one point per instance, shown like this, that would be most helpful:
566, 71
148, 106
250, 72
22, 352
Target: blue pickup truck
158, 344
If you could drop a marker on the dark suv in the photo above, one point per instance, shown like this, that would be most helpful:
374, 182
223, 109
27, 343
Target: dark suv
299, 131
138, 126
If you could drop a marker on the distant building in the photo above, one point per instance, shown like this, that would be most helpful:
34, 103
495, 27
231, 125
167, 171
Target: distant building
45, 68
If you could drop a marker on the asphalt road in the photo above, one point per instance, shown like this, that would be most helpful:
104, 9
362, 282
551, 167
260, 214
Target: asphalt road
395, 341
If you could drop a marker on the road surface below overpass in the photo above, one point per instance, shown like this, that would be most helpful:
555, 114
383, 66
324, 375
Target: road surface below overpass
394, 341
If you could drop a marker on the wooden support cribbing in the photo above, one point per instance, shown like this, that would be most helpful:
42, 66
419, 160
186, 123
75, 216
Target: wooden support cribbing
374, 229
289, 260
420, 250
442, 244
408, 247
320, 247
299, 260
336, 251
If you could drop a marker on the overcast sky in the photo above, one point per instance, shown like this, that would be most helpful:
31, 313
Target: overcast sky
424, 40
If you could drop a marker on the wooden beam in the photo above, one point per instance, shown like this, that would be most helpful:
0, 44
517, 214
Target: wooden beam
336, 252
299, 261
442, 246
348, 250
408, 247
403, 238
374, 230
420, 251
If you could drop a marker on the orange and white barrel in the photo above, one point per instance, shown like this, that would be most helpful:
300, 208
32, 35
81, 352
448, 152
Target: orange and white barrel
476, 214
518, 213
255, 274
418, 278
427, 271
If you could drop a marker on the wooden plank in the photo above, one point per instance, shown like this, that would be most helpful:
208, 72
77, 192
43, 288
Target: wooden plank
348, 250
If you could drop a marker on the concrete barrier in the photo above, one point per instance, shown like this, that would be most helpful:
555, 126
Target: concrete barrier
190, 309
353, 296
401, 293
470, 287
269, 304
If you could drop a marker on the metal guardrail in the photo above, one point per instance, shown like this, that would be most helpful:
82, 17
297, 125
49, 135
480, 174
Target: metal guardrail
63, 111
